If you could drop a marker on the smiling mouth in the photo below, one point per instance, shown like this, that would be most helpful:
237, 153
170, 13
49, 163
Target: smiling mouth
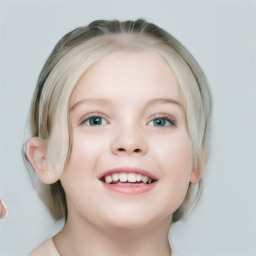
127, 179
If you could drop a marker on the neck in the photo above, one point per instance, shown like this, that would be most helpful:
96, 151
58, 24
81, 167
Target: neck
80, 237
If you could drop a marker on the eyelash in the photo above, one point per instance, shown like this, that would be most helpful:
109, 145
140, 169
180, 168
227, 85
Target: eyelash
87, 118
165, 117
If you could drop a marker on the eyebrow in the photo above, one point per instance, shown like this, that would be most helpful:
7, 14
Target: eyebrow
163, 101
85, 101
106, 102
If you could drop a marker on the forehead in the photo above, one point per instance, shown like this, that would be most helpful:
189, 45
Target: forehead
137, 73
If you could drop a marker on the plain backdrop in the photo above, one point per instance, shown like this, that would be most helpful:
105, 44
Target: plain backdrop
221, 36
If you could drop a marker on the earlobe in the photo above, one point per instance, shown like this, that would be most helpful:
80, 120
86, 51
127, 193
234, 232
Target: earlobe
36, 151
198, 170
196, 175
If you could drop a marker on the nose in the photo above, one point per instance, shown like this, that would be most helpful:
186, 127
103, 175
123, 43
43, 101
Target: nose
129, 141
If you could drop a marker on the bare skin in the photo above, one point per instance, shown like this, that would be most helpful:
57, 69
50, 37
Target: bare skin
125, 112
150, 241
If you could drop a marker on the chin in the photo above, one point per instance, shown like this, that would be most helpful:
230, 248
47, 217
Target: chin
130, 225
136, 220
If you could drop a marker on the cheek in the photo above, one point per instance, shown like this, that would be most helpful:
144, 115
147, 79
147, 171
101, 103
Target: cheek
86, 152
79, 179
175, 158
176, 155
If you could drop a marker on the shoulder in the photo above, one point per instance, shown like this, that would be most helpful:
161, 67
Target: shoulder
46, 248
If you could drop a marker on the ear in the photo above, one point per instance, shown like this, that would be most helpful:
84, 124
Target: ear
36, 152
198, 170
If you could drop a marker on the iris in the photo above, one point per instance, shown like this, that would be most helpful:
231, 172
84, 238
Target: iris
94, 121
160, 122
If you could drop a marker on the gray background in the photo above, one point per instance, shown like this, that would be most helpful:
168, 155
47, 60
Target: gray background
220, 34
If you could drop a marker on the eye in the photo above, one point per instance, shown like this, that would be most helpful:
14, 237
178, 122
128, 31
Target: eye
95, 121
159, 122
162, 122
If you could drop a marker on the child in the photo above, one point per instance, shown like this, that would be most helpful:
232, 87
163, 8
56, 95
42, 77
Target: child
119, 126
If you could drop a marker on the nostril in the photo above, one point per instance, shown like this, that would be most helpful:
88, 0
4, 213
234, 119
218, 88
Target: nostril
137, 150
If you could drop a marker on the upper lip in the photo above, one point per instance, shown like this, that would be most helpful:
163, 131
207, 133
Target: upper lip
128, 170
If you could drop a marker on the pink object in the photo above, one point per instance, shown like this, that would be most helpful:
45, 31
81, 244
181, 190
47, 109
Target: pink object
129, 189
3, 210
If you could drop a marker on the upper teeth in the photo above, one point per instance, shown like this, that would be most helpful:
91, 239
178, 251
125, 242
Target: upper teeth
130, 177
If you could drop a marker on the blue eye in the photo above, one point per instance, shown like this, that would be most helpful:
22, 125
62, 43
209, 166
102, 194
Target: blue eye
160, 122
95, 121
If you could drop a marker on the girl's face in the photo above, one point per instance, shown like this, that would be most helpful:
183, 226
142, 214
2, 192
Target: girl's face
127, 123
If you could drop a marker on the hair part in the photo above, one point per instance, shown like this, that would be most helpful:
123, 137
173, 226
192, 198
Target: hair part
79, 50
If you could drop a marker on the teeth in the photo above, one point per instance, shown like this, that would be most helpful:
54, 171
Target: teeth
138, 177
108, 179
144, 178
130, 177
115, 176
123, 177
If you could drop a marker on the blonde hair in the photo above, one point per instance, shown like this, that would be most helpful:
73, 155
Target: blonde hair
73, 55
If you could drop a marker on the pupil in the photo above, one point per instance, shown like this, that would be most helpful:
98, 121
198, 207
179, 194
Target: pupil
159, 122
95, 121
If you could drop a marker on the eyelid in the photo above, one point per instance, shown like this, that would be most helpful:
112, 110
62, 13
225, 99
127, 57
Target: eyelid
93, 114
165, 116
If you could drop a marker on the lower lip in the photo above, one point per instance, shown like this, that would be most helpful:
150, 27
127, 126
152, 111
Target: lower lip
130, 189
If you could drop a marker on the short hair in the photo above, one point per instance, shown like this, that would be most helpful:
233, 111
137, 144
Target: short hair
72, 56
